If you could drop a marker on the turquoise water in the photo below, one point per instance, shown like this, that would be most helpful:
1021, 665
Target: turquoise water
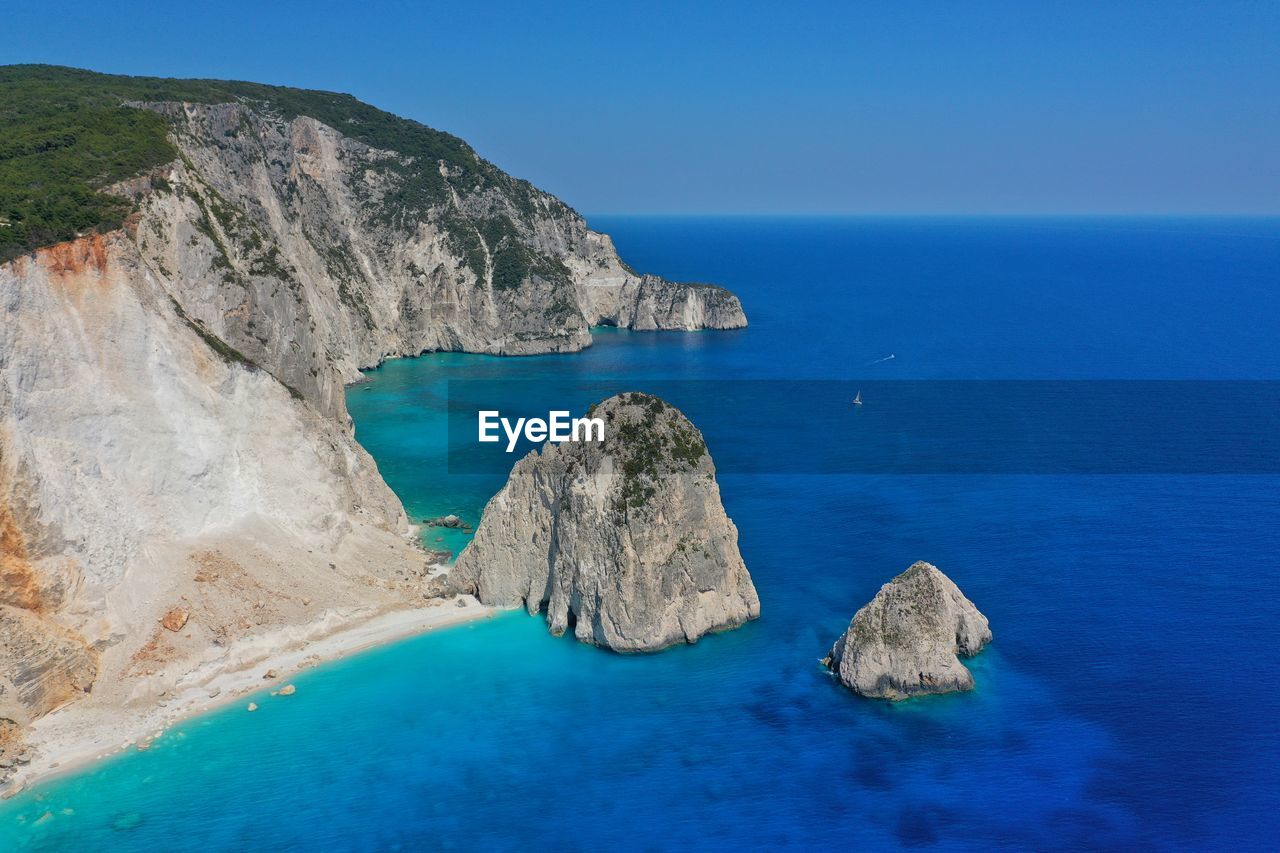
1130, 699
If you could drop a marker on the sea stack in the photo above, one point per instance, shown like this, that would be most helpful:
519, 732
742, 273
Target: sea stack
623, 541
906, 641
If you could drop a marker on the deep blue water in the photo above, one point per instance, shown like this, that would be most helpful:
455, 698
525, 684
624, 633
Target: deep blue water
1131, 697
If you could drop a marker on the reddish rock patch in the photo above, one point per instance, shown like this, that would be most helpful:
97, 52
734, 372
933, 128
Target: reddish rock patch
176, 618
75, 256
18, 586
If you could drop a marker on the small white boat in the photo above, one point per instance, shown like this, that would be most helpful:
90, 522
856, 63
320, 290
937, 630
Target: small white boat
857, 399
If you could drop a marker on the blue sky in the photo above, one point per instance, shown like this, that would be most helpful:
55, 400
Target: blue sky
893, 107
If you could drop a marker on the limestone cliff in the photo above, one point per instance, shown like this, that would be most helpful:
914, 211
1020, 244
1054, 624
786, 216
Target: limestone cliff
905, 641
132, 442
297, 246
624, 542
172, 426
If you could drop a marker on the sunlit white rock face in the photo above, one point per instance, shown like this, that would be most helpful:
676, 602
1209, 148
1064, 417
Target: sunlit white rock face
623, 542
128, 443
316, 255
905, 641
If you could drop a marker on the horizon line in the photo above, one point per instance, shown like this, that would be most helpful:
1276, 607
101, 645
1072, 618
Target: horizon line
936, 215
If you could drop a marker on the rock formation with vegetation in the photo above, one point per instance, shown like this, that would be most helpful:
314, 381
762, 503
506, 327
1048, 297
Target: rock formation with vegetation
623, 542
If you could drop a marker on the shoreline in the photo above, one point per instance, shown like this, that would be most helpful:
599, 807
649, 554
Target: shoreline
77, 736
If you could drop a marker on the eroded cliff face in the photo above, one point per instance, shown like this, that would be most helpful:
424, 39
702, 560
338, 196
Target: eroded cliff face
625, 542
173, 434
131, 439
907, 640
315, 255
42, 664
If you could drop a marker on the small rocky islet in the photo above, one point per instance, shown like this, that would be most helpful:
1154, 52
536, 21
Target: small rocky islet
624, 542
450, 521
908, 640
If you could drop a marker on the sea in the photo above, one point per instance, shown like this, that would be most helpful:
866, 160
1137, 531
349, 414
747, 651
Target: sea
1130, 699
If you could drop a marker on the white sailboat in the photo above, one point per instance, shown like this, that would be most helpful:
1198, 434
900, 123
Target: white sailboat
857, 399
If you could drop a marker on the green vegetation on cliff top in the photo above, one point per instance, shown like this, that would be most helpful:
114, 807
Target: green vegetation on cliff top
652, 443
66, 133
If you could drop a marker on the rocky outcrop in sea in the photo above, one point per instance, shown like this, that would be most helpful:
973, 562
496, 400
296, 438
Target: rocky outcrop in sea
907, 640
624, 542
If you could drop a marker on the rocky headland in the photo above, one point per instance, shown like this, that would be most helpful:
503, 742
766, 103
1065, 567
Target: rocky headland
907, 640
179, 480
624, 542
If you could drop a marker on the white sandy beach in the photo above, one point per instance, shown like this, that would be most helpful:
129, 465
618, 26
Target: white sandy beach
80, 733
